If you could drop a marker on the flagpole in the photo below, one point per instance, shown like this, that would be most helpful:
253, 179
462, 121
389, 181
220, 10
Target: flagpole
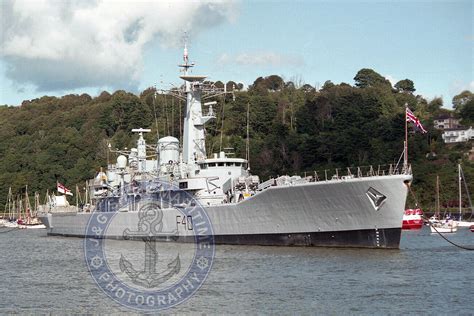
405, 160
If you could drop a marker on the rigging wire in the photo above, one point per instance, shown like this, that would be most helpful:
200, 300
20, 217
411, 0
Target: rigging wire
180, 127
222, 125
467, 193
156, 119
166, 116
451, 242
426, 220
172, 117
247, 141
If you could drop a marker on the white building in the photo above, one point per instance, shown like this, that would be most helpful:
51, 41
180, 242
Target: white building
458, 135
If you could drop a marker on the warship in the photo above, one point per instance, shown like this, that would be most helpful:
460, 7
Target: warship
358, 209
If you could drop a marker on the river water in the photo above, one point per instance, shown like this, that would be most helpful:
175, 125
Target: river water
42, 274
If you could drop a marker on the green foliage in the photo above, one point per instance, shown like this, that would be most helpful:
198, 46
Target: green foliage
461, 99
435, 105
405, 85
369, 78
293, 129
467, 113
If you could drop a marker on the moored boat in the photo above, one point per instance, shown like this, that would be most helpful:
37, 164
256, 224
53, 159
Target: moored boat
412, 219
448, 226
460, 222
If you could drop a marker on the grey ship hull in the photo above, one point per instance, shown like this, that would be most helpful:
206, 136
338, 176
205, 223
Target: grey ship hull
337, 213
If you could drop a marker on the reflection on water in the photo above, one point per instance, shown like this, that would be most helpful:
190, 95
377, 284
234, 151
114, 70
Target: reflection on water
427, 275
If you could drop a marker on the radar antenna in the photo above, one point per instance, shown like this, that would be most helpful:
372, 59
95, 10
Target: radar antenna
186, 65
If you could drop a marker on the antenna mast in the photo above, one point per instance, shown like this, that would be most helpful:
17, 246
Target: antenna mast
222, 119
248, 138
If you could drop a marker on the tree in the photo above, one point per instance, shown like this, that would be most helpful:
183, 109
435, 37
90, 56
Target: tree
219, 84
435, 105
274, 83
405, 85
231, 85
307, 88
461, 99
369, 78
290, 85
327, 85
467, 112
104, 96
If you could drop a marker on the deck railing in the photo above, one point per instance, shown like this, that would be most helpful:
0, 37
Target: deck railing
337, 174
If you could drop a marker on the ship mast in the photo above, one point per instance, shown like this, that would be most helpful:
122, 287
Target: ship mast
194, 143
194, 91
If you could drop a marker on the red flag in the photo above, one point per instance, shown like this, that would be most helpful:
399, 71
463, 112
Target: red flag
410, 117
62, 189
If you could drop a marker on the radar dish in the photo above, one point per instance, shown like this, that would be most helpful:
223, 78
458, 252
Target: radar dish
193, 78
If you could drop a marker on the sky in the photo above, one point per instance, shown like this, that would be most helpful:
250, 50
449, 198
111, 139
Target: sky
88, 46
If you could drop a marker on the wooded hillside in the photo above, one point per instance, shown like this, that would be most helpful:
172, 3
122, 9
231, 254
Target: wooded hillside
294, 128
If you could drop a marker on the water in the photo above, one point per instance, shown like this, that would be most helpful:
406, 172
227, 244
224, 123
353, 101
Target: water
426, 276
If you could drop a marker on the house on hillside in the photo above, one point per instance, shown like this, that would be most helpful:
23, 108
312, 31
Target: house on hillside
458, 135
446, 121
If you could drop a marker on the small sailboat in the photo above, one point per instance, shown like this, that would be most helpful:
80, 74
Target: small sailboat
435, 218
447, 226
460, 222
31, 219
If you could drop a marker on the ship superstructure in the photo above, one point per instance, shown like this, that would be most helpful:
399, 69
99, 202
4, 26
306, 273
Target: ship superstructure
361, 210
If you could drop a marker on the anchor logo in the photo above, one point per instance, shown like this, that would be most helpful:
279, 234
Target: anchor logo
150, 228
162, 279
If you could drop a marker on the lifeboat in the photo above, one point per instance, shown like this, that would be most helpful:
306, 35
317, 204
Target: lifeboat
412, 219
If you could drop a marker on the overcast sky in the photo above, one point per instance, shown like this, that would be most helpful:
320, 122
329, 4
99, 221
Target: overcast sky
80, 46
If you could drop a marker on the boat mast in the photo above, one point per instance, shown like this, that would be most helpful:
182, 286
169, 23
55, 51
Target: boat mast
87, 191
10, 202
459, 188
437, 196
27, 206
247, 141
37, 204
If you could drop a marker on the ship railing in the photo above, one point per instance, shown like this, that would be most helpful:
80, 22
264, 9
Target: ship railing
359, 172
267, 184
338, 174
